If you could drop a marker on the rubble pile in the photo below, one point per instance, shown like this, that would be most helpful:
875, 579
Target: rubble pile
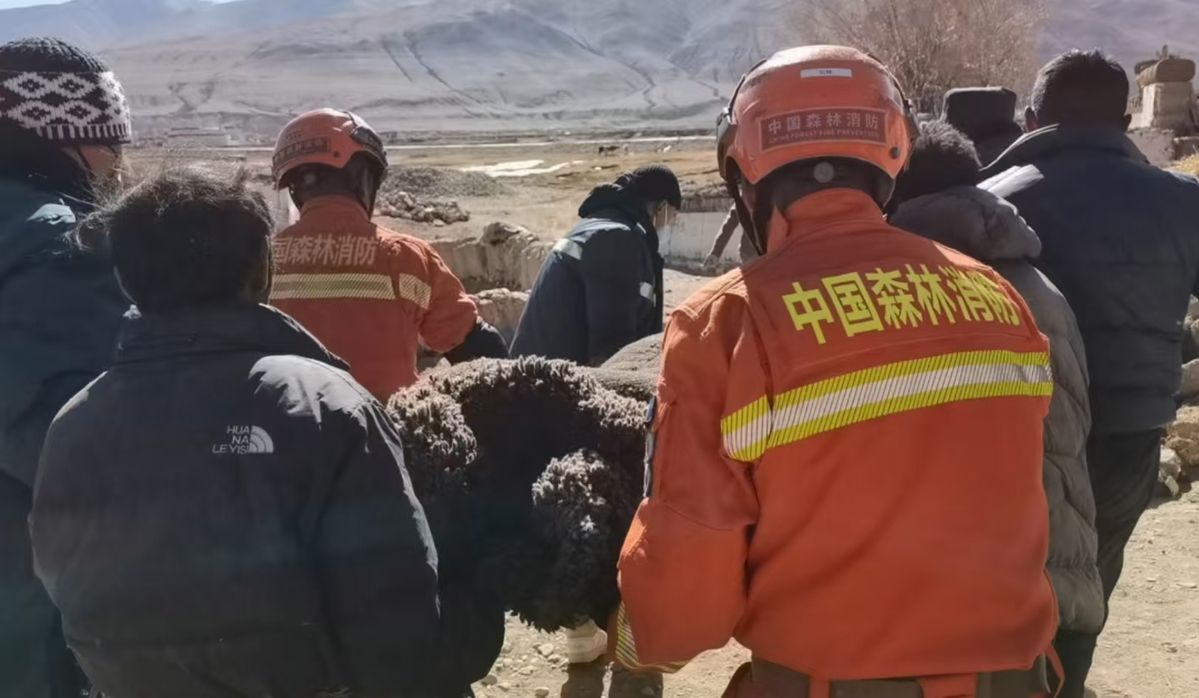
401, 204
530, 472
441, 183
1180, 454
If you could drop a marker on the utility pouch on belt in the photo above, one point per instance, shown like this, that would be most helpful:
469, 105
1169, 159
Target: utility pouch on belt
763, 679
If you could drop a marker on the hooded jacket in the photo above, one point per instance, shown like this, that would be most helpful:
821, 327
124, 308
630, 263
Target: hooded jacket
227, 513
1121, 241
988, 228
601, 286
60, 311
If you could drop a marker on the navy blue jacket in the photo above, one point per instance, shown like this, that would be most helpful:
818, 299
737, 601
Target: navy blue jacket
600, 289
1121, 241
226, 513
60, 312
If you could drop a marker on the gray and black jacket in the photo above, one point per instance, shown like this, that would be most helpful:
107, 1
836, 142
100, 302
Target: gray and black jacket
988, 228
601, 287
1121, 241
226, 513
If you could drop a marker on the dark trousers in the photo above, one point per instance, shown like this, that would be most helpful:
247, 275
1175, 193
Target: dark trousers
34, 659
1123, 469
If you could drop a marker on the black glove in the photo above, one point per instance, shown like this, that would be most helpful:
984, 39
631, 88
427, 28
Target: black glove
483, 342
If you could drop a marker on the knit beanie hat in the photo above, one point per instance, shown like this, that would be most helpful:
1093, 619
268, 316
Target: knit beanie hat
653, 183
61, 93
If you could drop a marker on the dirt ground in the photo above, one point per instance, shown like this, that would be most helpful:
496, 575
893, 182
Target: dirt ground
1151, 646
1149, 650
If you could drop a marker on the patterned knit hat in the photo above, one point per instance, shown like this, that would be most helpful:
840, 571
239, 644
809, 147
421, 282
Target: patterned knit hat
62, 93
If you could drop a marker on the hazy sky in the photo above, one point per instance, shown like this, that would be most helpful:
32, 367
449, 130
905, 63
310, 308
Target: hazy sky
5, 4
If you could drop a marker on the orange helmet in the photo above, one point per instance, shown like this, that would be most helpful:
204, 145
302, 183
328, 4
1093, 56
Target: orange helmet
815, 102
325, 137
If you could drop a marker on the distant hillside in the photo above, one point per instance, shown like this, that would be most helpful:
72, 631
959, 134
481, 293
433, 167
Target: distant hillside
482, 64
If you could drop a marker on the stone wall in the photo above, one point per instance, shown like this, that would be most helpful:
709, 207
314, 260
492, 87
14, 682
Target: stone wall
1157, 145
512, 263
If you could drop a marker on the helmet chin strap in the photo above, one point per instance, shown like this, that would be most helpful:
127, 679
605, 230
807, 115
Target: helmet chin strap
748, 224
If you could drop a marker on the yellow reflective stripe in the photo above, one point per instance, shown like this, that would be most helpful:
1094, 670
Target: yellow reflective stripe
626, 648
412, 288
331, 286
747, 430
883, 390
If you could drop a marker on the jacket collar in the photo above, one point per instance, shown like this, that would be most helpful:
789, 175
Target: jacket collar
972, 221
815, 214
255, 329
612, 202
336, 206
1052, 140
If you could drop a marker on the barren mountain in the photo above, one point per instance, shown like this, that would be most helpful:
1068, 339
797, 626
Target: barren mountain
480, 64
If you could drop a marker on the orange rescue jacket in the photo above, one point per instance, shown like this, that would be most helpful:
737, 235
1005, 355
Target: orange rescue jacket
847, 476
367, 293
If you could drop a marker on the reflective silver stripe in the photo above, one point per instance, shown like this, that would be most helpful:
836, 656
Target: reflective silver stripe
332, 286
647, 291
412, 288
569, 247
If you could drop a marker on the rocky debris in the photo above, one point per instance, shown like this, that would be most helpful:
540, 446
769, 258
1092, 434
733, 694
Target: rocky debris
490, 680
402, 205
1180, 456
541, 692
1182, 437
498, 232
1190, 379
1171, 471
498, 260
545, 649
1190, 339
441, 183
502, 309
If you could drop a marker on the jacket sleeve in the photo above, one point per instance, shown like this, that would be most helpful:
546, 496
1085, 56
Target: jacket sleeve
682, 569
377, 564
451, 314
616, 292
730, 225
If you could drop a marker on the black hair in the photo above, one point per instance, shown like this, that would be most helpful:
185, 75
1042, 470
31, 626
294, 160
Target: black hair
942, 158
1081, 87
361, 179
653, 183
187, 237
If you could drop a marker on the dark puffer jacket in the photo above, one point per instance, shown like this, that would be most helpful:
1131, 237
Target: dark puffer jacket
60, 311
226, 514
601, 286
1121, 241
988, 228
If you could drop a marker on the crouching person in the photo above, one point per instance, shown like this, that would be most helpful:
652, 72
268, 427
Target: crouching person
226, 512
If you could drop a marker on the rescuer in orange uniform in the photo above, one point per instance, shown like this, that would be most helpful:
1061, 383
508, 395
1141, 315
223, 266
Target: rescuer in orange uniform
847, 436
367, 293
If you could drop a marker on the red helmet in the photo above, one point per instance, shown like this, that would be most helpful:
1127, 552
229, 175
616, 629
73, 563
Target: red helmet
815, 102
325, 137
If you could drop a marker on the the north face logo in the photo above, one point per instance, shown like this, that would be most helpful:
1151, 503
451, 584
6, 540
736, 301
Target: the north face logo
245, 441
